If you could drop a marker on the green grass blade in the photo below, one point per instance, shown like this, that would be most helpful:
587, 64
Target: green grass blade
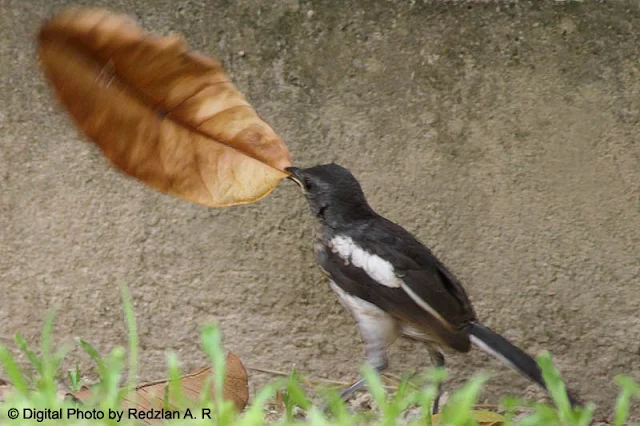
93, 353
543, 415
336, 405
585, 415
212, 341
294, 395
110, 383
629, 388
457, 412
49, 364
22, 344
254, 414
399, 402
425, 399
12, 370
556, 388
375, 386
132, 332
175, 384
316, 418
510, 405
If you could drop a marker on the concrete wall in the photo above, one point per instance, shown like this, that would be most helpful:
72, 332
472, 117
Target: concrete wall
505, 137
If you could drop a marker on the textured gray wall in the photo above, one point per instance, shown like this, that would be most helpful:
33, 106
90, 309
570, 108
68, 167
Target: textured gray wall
506, 137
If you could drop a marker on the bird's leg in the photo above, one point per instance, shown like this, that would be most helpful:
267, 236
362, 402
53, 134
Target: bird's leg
378, 331
348, 391
377, 328
437, 358
376, 350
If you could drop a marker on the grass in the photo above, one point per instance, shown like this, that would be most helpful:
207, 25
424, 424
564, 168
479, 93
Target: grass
36, 392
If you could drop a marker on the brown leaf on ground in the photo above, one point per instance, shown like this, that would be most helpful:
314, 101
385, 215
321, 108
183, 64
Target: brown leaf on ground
152, 395
160, 112
5, 388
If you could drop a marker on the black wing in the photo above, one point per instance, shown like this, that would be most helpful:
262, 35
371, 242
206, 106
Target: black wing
427, 282
425, 275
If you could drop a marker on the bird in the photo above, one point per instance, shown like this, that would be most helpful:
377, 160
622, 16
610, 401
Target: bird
391, 283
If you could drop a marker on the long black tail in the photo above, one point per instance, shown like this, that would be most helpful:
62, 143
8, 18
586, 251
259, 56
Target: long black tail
510, 355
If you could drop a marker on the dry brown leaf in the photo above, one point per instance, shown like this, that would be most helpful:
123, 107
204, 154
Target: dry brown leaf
152, 395
166, 115
5, 389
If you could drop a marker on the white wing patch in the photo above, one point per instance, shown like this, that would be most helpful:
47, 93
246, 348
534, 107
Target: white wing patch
376, 267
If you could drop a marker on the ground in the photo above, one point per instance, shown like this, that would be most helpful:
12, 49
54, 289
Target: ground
506, 137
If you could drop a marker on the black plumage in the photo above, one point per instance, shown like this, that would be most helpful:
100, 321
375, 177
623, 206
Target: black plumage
419, 269
389, 281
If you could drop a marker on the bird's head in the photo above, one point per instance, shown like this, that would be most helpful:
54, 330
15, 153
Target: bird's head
334, 195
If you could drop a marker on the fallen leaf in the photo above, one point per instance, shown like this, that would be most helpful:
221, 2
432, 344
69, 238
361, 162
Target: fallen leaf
164, 114
5, 389
152, 395
483, 417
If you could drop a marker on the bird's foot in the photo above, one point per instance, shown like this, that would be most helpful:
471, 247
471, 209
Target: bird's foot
346, 393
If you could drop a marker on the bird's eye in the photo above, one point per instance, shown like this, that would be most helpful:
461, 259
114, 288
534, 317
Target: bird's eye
308, 185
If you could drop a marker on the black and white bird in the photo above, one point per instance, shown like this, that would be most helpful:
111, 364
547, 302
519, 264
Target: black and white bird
390, 282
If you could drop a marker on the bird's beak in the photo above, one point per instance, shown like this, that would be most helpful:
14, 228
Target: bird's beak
295, 174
